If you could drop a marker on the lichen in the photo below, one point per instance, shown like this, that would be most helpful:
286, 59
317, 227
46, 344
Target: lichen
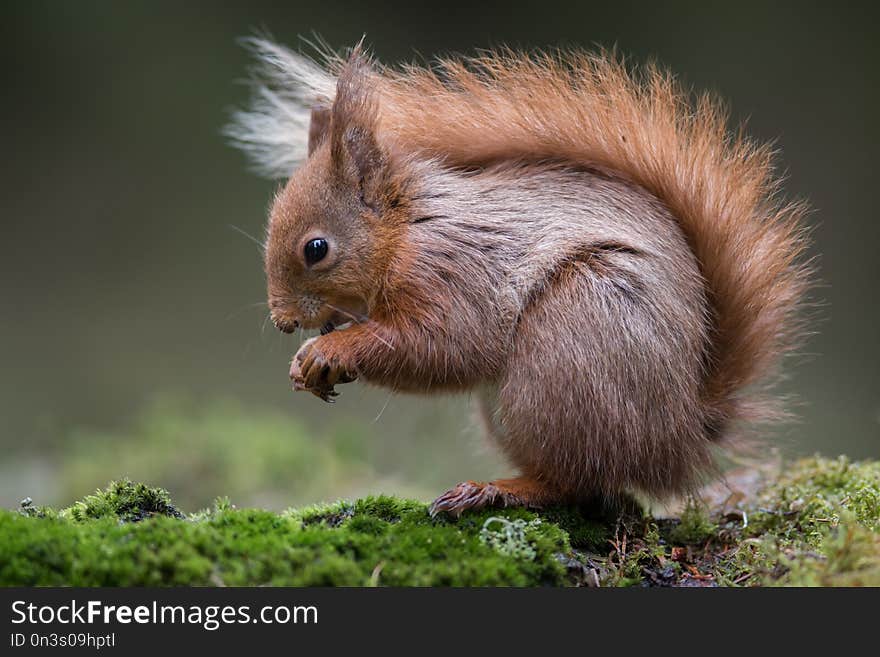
511, 538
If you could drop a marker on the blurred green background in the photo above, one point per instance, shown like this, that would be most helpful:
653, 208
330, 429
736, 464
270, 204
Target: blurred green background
131, 342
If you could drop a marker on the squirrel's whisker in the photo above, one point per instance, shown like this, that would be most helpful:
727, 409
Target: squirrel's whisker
385, 405
253, 239
358, 319
265, 321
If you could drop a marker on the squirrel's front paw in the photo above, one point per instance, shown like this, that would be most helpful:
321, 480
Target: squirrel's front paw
317, 370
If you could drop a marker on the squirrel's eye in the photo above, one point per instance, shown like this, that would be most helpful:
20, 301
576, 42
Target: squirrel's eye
315, 250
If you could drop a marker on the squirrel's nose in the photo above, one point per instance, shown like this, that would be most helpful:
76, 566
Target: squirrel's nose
285, 326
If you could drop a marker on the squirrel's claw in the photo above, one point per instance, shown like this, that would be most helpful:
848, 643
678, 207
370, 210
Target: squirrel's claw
518, 491
468, 495
310, 370
326, 394
323, 392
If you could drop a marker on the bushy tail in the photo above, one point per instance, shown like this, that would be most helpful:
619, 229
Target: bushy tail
590, 109
274, 130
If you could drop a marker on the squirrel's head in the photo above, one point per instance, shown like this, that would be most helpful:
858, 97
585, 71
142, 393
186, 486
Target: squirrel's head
333, 227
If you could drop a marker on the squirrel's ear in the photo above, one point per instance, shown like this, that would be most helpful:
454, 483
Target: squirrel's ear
319, 126
354, 147
365, 160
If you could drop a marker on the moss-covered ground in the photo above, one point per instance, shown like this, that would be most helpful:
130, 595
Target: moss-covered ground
816, 523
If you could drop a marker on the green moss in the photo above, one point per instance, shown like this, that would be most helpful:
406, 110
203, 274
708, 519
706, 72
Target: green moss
589, 528
814, 494
694, 526
378, 540
817, 524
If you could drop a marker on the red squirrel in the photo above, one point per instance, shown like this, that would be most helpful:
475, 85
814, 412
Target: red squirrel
586, 248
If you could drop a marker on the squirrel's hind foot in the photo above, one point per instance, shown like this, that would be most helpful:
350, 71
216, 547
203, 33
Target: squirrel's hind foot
519, 491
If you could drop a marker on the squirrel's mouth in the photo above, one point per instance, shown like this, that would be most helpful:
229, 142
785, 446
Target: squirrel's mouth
328, 317
337, 321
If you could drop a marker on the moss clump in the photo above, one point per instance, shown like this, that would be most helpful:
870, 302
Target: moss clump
694, 526
125, 501
591, 527
815, 524
816, 494
818, 523
376, 540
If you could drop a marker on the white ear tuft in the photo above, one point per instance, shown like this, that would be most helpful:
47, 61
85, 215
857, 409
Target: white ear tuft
274, 130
